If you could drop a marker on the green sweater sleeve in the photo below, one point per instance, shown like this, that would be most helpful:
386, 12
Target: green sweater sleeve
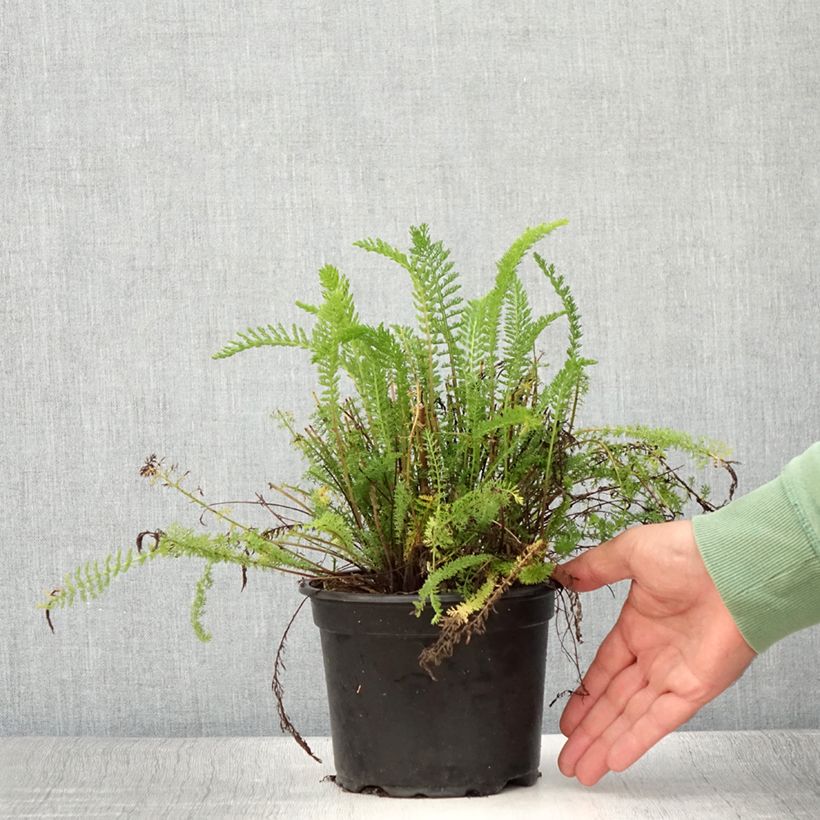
763, 553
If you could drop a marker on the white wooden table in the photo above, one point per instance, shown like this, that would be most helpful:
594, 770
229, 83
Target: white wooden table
688, 775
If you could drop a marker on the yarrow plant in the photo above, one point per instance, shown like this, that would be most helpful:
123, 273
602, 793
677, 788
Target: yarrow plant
451, 460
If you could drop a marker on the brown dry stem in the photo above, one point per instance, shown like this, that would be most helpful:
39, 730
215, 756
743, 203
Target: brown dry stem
285, 722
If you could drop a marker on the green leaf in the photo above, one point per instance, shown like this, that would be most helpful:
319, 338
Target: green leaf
198, 604
265, 336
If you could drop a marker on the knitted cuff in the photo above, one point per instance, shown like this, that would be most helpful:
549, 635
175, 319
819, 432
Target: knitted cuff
763, 553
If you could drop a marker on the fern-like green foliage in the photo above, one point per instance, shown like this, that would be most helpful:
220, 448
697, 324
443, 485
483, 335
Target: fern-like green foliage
91, 579
267, 336
205, 582
437, 456
452, 569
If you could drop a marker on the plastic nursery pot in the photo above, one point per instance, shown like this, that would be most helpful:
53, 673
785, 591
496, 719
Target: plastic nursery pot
473, 730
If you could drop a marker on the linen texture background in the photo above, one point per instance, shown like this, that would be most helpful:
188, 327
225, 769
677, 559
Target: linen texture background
173, 172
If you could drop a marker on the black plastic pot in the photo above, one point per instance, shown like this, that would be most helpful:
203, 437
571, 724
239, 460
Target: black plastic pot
473, 730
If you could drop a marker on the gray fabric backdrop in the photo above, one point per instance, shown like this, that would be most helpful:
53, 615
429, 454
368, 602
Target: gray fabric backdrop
174, 171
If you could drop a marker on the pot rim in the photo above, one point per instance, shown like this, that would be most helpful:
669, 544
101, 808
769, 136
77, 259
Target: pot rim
306, 587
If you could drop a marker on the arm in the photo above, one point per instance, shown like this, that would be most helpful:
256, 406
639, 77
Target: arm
697, 613
763, 553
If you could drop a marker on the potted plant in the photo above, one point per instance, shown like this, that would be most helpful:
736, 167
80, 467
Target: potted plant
446, 476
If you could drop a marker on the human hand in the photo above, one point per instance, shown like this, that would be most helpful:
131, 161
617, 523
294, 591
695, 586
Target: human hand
674, 647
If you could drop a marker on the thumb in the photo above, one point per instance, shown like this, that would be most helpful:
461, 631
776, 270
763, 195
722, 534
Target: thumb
601, 565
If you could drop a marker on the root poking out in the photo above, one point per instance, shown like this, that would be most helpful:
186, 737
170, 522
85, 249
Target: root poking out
276, 685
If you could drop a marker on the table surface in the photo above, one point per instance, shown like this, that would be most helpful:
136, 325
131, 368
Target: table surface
688, 775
